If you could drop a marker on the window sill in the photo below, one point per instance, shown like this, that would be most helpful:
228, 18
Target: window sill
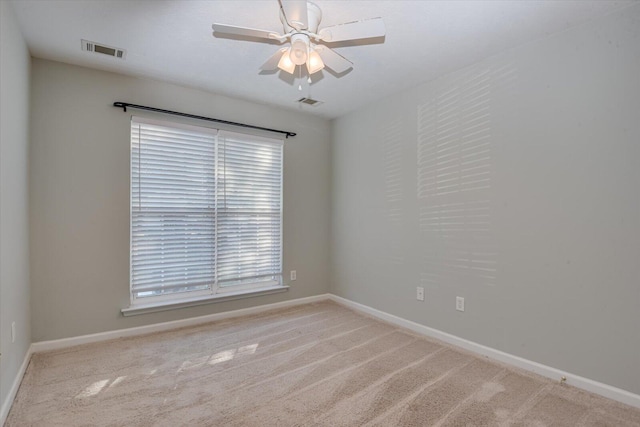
136, 309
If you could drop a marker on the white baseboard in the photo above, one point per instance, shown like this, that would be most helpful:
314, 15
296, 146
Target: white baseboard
592, 386
8, 401
165, 326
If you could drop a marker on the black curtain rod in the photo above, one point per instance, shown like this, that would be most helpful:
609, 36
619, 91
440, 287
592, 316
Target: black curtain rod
124, 106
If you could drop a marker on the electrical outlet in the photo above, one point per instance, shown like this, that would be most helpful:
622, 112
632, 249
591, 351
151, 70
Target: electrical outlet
13, 332
460, 303
420, 293
293, 275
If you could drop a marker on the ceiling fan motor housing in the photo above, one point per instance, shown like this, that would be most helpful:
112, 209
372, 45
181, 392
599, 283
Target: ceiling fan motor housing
314, 16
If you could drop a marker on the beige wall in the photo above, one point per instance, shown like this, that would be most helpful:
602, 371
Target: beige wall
80, 196
14, 232
534, 217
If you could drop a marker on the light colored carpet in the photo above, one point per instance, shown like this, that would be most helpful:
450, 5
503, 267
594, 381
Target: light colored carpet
314, 365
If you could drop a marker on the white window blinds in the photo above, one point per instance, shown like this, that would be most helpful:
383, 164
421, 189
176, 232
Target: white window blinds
206, 210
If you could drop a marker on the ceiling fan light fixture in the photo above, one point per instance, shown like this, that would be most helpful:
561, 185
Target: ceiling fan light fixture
299, 49
314, 63
307, 42
285, 63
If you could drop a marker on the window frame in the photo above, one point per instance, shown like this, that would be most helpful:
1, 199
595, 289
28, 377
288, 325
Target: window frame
215, 292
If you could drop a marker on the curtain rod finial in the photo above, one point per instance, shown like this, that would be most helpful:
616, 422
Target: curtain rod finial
121, 105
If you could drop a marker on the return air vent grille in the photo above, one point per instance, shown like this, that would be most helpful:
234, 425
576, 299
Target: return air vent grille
309, 101
103, 49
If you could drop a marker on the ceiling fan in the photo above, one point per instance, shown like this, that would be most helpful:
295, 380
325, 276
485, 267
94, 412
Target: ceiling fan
308, 44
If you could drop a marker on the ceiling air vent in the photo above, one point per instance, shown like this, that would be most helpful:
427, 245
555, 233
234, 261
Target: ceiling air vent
309, 101
103, 49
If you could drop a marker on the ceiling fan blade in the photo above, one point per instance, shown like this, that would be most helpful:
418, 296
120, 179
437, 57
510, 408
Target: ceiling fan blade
333, 59
364, 29
272, 63
295, 12
244, 31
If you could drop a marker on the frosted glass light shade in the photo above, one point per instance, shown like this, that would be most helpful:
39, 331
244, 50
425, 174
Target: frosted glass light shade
298, 54
285, 63
314, 63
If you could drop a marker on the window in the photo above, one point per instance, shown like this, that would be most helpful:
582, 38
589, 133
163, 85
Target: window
206, 212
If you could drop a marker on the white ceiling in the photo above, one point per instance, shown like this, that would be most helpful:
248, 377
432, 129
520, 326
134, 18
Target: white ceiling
172, 41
